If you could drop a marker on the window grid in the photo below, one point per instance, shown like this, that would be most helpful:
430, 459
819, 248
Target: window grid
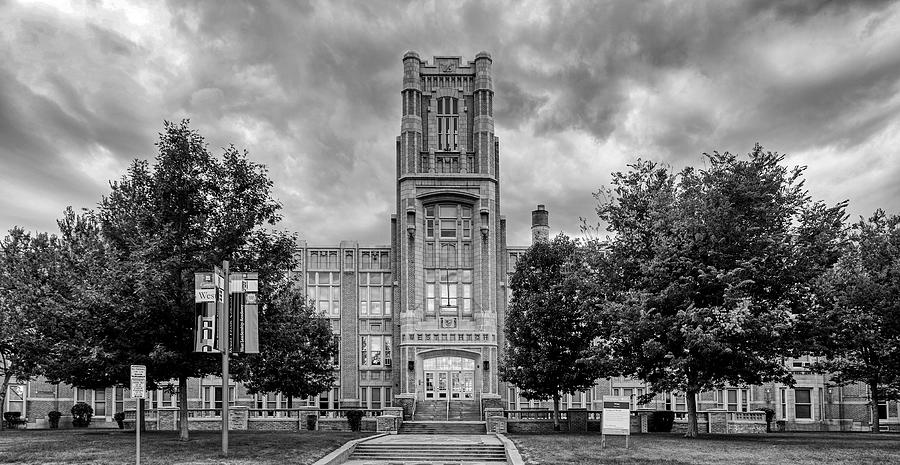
375, 295
375, 350
324, 288
449, 259
448, 124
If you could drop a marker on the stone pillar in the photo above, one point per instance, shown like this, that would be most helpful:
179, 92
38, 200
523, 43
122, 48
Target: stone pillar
578, 420
167, 419
387, 424
494, 420
718, 421
238, 418
309, 416
490, 401
407, 402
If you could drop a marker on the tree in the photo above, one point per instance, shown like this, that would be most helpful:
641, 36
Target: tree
715, 266
856, 325
140, 249
548, 331
27, 270
297, 347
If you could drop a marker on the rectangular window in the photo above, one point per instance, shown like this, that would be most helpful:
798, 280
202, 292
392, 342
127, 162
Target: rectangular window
375, 352
375, 294
448, 229
376, 398
15, 399
802, 404
364, 350
783, 404
324, 288
100, 403
119, 395
388, 340
732, 399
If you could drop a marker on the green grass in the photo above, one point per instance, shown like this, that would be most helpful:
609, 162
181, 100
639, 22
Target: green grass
164, 448
659, 448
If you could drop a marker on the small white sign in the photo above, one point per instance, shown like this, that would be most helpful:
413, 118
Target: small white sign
616, 415
204, 295
138, 382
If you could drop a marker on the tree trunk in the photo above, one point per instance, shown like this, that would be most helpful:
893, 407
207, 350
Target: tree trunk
556, 412
6, 377
183, 408
691, 397
876, 422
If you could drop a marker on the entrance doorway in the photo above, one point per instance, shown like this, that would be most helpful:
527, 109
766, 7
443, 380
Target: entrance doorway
450, 378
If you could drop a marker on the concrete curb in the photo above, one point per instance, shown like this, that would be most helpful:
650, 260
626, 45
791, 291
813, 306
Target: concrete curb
512, 453
341, 454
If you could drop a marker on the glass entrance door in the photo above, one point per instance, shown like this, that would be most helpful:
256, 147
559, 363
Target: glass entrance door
436, 384
449, 378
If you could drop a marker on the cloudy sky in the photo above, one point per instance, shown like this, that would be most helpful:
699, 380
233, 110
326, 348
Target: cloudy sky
312, 90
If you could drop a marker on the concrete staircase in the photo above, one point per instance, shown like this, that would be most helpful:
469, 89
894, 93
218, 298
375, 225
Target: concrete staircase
431, 410
443, 427
403, 452
464, 410
436, 410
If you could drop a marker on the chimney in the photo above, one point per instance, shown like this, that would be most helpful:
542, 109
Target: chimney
540, 225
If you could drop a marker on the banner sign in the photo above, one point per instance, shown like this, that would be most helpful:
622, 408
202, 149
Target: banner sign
244, 289
207, 306
243, 318
138, 382
616, 418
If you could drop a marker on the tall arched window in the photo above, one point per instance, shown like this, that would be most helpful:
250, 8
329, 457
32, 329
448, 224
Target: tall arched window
448, 123
448, 260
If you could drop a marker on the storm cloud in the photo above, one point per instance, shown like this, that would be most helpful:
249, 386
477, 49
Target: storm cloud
311, 89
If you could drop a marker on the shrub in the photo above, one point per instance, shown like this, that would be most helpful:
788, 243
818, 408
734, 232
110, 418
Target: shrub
53, 417
354, 417
120, 419
661, 421
311, 422
13, 419
81, 415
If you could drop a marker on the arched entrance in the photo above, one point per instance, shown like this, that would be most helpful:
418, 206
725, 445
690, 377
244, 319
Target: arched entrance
448, 374
450, 377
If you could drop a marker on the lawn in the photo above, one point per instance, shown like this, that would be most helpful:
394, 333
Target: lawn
658, 448
164, 448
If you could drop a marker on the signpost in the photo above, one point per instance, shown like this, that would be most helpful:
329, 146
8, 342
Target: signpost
616, 418
138, 391
226, 319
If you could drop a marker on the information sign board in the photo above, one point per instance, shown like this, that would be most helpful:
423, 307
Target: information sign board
616, 415
138, 382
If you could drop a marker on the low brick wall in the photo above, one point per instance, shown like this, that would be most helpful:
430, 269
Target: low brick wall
274, 424
534, 426
340, 424
746, 428
681, 426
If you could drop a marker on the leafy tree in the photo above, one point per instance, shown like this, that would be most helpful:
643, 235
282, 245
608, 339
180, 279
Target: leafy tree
27, 269
297, 348
715, 266
856, 325
140, 249
548, 326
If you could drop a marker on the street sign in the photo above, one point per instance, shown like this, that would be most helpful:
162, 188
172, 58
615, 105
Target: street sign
138, 381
